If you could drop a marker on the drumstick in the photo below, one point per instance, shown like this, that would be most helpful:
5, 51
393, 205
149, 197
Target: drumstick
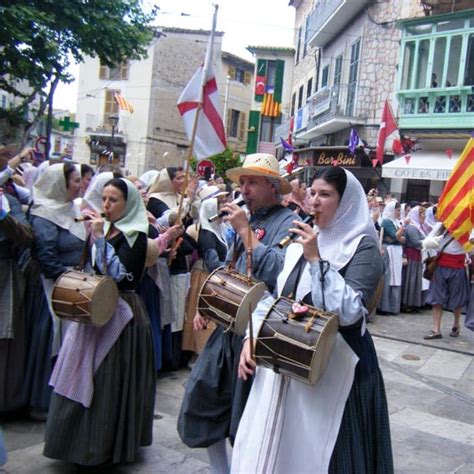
249, 253
252, 355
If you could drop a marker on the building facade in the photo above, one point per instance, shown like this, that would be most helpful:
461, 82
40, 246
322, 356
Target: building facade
152, 136
349, 61
271, 98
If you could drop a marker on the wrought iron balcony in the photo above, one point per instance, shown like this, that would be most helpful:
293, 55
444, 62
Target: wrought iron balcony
330, 16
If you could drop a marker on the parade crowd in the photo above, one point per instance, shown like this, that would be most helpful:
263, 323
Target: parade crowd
158, 237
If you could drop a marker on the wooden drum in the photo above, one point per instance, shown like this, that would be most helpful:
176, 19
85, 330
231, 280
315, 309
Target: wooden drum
228, 298
85, 298
296, 345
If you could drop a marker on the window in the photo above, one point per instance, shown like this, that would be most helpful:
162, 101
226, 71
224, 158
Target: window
452, 76
300, 97
293, 104
325, 76
438, 62
408, 60
111, 107
271, 74
353, 74
267, 129
239, 75
117, 73
234, 123
306, 36
309, 88
469, 74
422, 64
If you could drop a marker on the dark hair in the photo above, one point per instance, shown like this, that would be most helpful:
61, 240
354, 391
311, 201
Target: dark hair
120, 184
68, 169
397, 205
333, 175
172, 170
85, 169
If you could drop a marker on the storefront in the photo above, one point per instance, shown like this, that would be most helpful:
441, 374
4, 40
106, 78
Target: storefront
358, 163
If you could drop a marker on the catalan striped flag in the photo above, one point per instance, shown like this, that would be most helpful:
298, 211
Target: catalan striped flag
456, 204
270, 107
123, 104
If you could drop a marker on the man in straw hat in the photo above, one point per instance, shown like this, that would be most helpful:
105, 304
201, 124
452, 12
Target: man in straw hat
214, 398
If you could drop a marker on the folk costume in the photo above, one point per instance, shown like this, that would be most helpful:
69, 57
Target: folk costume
15, 235
103, 410
214, 397
392, 257
341, 424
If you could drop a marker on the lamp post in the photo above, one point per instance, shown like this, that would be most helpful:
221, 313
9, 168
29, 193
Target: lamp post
113, 121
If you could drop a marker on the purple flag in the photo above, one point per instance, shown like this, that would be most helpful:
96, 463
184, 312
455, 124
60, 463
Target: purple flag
286, 146
354, 140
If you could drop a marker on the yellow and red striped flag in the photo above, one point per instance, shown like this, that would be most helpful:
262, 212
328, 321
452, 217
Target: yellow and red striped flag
456, 204
123, 104
270, 108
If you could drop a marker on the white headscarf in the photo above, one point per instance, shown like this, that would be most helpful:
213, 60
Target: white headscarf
339, 241
149, 177
134, 219
414, 216
52, 202
430, 219
162, 189
209, 208
389, 213
93, 196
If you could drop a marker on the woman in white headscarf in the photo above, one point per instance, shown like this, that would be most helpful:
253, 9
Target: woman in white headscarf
341, 424
393, 238
59, 243
102, 411
412, 286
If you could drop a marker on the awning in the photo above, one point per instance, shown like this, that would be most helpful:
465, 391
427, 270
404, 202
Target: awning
429, 165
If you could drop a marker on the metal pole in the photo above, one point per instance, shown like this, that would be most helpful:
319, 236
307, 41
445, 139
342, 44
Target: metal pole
111, 157
226, 100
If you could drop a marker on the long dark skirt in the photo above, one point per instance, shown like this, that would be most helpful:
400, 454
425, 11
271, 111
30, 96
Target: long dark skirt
120, 418
363, 445
39, 329
150, 295
13, 349
412, 284
391, 299
214, 397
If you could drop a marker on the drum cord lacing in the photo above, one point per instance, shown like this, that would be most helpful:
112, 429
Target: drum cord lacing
323, 268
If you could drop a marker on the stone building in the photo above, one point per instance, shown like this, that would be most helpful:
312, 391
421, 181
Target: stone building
271, 97
348, 62
153, 135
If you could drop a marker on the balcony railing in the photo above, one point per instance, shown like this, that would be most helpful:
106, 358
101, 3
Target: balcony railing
329, 17
282, 131
447, 108
344, 102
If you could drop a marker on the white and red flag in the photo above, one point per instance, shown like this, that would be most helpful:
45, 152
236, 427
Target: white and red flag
201, 96
389, 137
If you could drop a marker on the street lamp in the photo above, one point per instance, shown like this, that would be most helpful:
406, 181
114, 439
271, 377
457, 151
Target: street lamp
113, 121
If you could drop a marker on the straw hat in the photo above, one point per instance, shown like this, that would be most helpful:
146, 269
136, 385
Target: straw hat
211, 192
152, 253
260, 164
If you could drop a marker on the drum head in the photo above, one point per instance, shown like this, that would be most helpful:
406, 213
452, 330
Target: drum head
104, 301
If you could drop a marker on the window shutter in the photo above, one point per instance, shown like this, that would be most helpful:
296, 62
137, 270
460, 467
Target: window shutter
280, 69
242, 124
252, 132
231, 72
103, 72
247, 77
228, 120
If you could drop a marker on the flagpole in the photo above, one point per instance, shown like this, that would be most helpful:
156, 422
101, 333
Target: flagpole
189, 156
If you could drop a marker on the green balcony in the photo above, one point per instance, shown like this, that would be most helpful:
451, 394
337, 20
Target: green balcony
449, 108
436, 75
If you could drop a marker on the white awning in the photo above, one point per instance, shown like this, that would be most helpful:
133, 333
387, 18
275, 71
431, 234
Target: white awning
429, 165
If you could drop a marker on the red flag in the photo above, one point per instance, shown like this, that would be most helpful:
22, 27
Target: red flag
389, 136
374, 163
201, 97
449, 152
260, 85
407, 158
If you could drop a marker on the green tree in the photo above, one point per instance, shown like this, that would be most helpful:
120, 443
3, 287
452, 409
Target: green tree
222, 161
40, 38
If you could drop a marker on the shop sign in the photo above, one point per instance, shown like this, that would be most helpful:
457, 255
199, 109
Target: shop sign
341, 158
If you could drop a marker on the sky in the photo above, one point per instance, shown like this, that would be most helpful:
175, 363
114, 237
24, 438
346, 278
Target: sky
244, 22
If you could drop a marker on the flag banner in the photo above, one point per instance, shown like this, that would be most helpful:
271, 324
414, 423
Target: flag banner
456, 203
354, 141
210, 135
286, 146
123, 104
270, 108
389, 137
260, 85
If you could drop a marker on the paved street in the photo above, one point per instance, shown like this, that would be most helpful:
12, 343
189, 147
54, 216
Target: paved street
430, 388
